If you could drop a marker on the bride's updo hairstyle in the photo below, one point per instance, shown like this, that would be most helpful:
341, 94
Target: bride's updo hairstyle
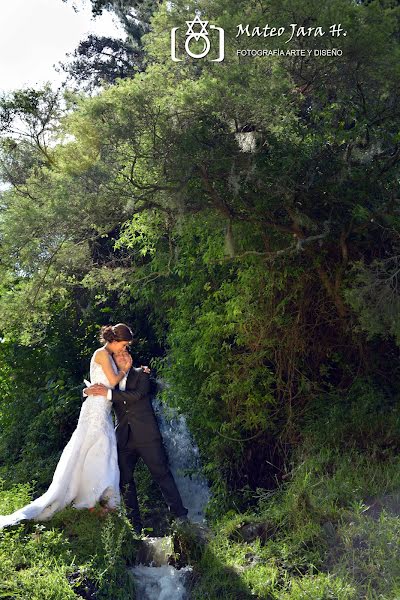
116, 333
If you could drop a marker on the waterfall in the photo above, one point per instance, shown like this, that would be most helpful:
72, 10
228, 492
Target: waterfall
160, 583
183, 456
157, 580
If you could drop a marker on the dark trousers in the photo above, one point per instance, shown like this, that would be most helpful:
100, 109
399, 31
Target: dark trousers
154, 456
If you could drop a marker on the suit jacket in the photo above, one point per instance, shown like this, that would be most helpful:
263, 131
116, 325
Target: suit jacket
133, 409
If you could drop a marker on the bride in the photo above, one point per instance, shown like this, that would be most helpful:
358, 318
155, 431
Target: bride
87, 471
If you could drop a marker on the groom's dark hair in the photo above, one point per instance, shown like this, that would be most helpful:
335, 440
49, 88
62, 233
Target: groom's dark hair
116, 333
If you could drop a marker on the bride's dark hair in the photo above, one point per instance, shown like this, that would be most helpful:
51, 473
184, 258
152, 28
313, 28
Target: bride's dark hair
116, 333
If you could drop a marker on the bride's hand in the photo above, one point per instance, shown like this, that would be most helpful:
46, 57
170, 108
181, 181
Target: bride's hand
126, 362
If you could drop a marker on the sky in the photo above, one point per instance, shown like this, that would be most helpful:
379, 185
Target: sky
36, 34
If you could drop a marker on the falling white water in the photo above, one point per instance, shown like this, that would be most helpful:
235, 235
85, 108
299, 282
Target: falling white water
165, 582
183, 455
160, 583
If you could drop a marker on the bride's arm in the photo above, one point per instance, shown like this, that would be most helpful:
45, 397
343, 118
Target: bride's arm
103, 358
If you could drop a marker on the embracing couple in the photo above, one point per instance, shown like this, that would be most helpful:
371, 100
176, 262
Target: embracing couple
98, 462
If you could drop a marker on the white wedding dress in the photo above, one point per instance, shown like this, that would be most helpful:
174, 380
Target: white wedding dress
87, 471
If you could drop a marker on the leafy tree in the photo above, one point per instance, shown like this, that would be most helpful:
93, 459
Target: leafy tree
103, 60
134, 15
241, 254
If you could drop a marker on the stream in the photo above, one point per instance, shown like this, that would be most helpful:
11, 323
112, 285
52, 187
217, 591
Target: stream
154, 578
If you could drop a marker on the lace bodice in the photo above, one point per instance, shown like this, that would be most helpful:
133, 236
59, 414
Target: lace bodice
97, 409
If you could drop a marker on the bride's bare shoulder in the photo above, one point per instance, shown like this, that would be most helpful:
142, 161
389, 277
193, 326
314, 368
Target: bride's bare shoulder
100, 355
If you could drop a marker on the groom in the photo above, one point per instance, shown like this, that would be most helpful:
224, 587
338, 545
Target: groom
138, 434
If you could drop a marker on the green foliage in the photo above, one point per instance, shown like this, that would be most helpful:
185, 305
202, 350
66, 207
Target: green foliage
365, 418
374, 296
320, 587
41, 398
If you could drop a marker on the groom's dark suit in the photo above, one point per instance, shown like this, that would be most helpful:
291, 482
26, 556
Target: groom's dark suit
138, 435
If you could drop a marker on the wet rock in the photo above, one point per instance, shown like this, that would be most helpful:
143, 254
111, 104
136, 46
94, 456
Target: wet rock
251, 531
389, 502
83, 587
155, 551
189, 543
252, 558
329, 532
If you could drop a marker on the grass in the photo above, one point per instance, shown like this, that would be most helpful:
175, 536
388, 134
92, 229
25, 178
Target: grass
76, 554
312, 538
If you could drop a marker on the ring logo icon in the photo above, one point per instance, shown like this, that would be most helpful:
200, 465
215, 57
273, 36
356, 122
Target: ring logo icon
203, 34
